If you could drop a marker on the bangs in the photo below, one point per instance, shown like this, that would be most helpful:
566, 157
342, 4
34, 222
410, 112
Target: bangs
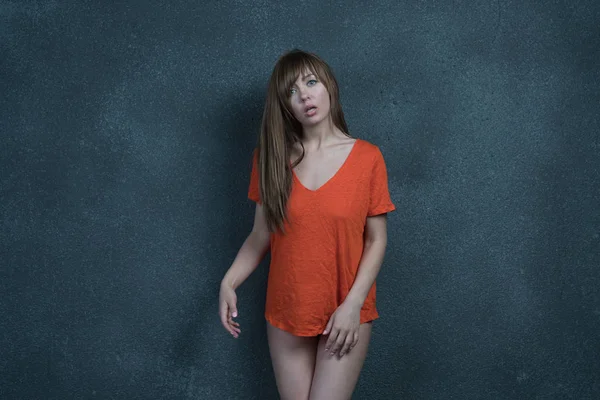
292, 66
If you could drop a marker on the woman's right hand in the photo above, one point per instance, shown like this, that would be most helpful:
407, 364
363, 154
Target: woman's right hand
228, 309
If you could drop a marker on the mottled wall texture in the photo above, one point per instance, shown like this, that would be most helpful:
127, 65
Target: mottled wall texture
126, 137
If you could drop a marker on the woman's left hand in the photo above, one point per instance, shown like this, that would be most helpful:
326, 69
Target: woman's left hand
342, 329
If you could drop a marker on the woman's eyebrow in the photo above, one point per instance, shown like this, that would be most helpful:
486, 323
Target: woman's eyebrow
306, 76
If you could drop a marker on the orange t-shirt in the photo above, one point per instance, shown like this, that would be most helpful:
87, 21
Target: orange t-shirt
313, 265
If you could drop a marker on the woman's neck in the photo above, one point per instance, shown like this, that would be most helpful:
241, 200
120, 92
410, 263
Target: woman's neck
317, 136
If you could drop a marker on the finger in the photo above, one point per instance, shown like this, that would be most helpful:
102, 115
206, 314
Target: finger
355, 341
223, 314
229, 324
234, 327
233, 309
347, 344
235, 332
331, 339
328, 327
339, 343
233, 313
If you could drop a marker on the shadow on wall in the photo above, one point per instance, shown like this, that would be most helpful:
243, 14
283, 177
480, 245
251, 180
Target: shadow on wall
411, 289
237, 124
242, 119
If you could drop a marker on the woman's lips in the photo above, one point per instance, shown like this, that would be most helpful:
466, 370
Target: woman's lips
310, 111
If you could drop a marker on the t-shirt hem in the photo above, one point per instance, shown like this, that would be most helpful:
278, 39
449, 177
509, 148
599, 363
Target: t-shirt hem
314, 332
382, 210
369, 318
292, 330
254, 199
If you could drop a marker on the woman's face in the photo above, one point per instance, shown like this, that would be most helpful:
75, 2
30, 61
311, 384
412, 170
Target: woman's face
309, 99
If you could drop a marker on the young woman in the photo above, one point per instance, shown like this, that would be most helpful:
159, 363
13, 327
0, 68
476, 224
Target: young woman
321, 202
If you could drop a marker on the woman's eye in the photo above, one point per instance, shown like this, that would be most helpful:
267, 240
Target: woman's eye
312, 82
292, 91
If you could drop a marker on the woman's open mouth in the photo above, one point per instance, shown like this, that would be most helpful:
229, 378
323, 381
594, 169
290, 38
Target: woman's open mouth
310, 111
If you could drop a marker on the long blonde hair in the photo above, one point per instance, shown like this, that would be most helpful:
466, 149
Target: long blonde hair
280, 130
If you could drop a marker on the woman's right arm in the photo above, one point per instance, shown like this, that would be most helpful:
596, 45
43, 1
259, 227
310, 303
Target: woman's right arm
248, 257
251, 253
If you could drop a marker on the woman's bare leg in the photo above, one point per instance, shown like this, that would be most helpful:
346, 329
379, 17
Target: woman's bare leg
293, 360
335, 377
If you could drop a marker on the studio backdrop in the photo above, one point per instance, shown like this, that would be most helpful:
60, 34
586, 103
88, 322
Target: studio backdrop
127, 131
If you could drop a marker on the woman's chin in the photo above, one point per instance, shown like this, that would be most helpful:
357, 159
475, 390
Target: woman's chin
312, 122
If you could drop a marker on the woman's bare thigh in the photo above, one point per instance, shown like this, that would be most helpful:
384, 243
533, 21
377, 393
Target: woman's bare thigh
334, 377
293, 359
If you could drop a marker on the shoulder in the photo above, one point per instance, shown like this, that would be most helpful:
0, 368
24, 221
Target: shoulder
369, 150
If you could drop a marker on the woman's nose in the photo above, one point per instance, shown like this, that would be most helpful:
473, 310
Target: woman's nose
303, 94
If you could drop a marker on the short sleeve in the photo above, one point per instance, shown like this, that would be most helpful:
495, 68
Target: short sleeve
380, 201
253, 189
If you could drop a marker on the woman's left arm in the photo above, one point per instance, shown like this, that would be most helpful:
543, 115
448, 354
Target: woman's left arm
372, 258
344, 323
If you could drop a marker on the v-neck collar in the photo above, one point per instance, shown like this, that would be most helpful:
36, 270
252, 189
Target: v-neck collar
339, 170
